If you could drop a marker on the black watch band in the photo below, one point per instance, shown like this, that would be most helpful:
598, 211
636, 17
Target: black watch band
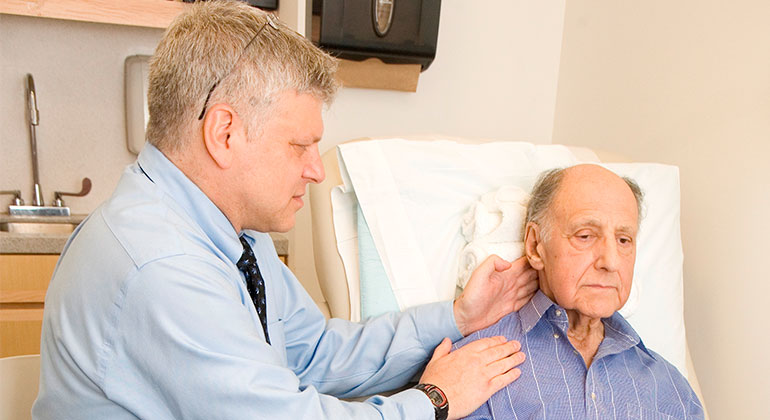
437, 398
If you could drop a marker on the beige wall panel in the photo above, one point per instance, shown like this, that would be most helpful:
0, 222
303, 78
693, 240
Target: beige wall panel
688, 83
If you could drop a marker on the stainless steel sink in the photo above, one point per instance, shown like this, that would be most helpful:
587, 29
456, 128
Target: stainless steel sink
37, 227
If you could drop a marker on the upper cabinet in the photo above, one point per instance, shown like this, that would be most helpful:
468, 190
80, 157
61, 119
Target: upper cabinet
150, 13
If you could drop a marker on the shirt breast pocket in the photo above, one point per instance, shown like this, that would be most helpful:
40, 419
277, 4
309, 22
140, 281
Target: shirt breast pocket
637, 413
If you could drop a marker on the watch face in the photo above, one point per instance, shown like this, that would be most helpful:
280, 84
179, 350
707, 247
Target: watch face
436, 398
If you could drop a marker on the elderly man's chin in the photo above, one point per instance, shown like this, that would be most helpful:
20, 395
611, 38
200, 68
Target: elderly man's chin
600, 302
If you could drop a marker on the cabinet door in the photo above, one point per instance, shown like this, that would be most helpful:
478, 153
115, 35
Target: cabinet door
23, 282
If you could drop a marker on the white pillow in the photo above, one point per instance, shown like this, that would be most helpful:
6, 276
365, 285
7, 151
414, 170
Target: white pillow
414, 193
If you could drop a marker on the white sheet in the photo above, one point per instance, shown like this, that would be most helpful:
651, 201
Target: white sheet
344, 205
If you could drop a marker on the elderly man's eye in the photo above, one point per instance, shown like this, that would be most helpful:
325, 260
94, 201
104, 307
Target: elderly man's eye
584, 236
624, 240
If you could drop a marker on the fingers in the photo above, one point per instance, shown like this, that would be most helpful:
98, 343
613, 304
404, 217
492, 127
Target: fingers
491, 264
499, 263
501, 351
504, 370
505, 364
442, 349
528, 289
499, 382
526, 276
520, 264
492, 350
483, 344
524, 294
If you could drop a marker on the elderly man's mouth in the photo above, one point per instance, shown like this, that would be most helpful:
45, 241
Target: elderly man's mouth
601, 286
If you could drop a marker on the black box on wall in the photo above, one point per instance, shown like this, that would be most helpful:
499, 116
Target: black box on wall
395, 31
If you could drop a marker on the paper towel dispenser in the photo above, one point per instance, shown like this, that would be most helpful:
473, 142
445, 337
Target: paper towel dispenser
395, 31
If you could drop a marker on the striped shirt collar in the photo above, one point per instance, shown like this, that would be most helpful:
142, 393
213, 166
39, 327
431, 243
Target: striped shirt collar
618, 333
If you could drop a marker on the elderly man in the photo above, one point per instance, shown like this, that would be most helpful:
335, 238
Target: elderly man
169, 301
584, 361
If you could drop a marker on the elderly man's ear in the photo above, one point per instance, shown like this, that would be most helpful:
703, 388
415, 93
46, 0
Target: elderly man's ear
533, 245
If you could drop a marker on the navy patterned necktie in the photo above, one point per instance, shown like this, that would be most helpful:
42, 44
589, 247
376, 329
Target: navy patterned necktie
254, 283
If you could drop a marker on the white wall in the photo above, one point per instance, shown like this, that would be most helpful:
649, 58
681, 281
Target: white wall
688, 83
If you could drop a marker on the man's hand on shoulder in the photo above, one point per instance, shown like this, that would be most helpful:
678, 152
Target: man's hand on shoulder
470, 375
495, 289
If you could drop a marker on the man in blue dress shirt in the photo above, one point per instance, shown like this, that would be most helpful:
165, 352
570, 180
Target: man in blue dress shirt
148, 315
584, 361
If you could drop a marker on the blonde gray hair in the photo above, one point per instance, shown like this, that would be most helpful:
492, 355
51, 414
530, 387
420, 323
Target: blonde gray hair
544, 192
205, 44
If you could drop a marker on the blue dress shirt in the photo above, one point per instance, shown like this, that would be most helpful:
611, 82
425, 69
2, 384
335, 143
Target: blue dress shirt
147, 316
625, 380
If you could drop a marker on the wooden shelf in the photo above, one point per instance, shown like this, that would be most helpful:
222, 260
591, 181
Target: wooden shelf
374, 74
149, 13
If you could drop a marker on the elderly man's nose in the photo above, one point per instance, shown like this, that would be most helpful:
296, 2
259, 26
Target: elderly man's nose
608, 257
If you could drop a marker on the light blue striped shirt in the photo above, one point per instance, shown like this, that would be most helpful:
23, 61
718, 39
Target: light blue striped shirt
148, 317
625, 380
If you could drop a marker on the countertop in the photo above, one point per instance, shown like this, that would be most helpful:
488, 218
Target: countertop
35, 243
47, 243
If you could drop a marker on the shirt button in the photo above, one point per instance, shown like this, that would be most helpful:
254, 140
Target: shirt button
556, 336
558, 312
593, 396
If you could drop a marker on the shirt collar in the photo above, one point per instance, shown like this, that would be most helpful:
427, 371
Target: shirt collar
619, 335
533, 310
191, 200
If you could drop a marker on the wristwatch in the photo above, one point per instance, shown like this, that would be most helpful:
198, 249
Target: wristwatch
437, 398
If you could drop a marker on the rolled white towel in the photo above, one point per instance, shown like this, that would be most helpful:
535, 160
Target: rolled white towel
468, 224
476, 252
470, 258
480, 220
487, 218
498, 216
508, 251
493, 225
511, 226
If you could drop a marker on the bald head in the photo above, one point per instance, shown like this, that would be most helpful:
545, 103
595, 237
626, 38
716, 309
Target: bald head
588, 176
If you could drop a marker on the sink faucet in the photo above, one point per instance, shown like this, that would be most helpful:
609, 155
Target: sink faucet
34, 121
38, 207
